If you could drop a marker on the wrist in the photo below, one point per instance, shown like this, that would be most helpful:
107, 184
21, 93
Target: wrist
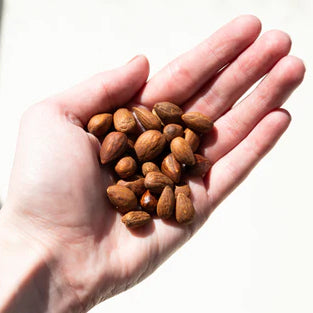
30, 277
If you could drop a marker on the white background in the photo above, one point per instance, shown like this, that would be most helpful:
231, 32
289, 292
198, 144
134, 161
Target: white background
255, 252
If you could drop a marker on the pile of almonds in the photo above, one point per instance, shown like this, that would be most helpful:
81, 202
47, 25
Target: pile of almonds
150, 153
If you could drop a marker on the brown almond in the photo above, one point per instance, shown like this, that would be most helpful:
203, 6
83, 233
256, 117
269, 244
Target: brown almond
168, 112
184, 209
99, 124
197, 122
136, 219
173, 130
149, 145
147, 119
124, 121
126, 167
171, 168
185, 189
182, 151
156, 181
201, 166
130, 144
157, 116
166, 203
113, 146
192, 138
122, 198
148, 202
149, 167
135, 184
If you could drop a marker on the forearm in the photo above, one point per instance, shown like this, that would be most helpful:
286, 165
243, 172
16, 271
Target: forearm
29, 279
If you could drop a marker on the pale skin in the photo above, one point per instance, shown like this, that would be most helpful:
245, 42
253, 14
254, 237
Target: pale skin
62, 246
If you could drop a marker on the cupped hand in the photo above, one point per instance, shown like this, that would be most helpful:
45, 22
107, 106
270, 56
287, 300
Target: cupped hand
56, 196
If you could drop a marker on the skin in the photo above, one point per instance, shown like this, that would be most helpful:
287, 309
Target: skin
75, 250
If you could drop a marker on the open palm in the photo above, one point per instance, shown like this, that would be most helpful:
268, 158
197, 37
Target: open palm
57, 188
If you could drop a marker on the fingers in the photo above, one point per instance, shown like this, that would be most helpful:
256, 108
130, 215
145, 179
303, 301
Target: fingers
230, 171
105, 91
271, 93
218, 95
181, 78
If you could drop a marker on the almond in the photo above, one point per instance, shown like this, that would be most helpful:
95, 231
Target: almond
126, 167
124, 121
197, 122
166, 203
171, 168
148, 202
99, 124
122, 198
173, 130
147, 119
182, 151
135, 184
168, 112
201, 167
185, 189
184, 209
113, 146
156, 182
149, 145
149, 167
136, 219
192, 138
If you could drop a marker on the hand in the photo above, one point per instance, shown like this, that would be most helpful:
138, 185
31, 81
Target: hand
56, 200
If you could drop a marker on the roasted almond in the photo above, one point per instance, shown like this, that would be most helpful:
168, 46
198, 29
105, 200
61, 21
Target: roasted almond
156, 181
168, 112
185, 189
171, 168
166, 203
149, 167
113, 146
148, 202
124, 121
197, 122
135, 184
99, 124
192, 138
136, 219
149, 145
171, 131
182, 151
201, 166
147, 119
184, 210
122, 198
126, 167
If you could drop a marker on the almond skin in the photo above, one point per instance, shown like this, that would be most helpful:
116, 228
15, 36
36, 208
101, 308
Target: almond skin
184, 209
148, 202
201, 167
124, 121
193, 139
185, 189
135, 184
182, 151
122, 198
171, 131
171, 168
147, 119
156, 182
99, 124
197, 122
168, 112
126, 167
149, 167
113, 146
166, 203
136, 219
149, 145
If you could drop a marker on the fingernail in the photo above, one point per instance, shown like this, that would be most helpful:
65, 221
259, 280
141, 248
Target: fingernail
133, 59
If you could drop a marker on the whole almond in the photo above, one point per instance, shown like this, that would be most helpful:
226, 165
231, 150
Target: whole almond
156, 182
99, 124
135, 184
124, 121
173, 130
185, 189
157, 116
113, 146
147, 119
166, 203
136, 219
201, 166
168, 112
184, 209
192, 138
182, 151
197, 122
122, 198
126, 167
171, 168
149, 167
149, 145
148, 202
